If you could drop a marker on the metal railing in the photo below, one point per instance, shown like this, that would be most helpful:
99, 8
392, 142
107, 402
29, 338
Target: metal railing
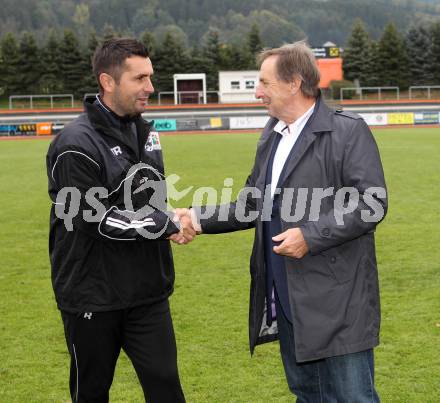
422, 87
32, 97
359, 90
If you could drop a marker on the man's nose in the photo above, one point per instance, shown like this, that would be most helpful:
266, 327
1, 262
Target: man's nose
149, 87
258, 93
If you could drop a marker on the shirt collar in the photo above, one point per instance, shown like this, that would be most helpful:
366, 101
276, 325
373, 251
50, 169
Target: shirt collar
101, 103
284, 129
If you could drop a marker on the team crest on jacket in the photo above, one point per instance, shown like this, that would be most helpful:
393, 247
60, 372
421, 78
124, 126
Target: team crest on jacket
153, 142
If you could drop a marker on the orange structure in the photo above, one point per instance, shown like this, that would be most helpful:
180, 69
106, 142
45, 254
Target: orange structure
331, 69
44, 129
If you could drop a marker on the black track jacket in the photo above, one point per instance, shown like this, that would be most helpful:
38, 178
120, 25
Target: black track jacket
108, 221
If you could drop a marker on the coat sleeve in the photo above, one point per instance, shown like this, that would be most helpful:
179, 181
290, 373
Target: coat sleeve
241, 214
362, 202
81, 200
235, 216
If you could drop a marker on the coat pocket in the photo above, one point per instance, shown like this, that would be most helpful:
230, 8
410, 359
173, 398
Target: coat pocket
342, 267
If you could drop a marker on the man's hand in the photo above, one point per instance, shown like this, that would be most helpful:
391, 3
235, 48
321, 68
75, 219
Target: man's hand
191, 215
292, 243
187, 231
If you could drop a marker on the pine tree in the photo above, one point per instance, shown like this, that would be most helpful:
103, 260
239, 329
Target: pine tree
255, 45
51, 80
212, 53
88, 82
238, 58
149, 41
418, 43
373, 64
197, 62
29, 65
394, 59
356, 57
81, 19
71, 63
434, 54
171, 58
108, 32
9, 81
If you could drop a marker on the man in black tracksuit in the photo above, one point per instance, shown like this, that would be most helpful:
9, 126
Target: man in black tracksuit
112, 266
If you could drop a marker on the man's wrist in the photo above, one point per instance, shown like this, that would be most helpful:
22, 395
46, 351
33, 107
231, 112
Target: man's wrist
195, 221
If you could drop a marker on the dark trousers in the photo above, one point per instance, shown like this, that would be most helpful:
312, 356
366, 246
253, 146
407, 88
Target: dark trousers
146, 335
346, 378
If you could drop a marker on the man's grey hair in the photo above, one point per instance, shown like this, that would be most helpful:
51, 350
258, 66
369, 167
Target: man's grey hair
295, 60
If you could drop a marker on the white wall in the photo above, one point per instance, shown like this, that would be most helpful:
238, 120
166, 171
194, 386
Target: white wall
237, 86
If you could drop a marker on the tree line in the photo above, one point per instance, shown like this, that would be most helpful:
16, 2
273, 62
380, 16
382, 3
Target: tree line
279, 21
395, 59
63, 65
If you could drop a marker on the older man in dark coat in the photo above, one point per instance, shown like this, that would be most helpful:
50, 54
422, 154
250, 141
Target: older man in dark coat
315, 195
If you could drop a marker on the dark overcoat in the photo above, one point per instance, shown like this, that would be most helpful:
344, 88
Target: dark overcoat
333, 188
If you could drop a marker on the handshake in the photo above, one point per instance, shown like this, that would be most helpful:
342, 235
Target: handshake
189, 226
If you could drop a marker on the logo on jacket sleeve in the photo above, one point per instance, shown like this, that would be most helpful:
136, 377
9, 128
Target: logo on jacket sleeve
153, 142
116, 150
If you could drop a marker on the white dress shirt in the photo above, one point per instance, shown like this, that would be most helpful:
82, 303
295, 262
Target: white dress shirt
290, 134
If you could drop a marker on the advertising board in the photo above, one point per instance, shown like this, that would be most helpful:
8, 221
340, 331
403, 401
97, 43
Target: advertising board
248, 122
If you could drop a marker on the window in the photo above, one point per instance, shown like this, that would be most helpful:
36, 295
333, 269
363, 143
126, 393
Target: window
250, 85
235, 85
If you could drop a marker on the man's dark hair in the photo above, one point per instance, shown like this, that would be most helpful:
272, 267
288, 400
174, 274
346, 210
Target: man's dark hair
110, 57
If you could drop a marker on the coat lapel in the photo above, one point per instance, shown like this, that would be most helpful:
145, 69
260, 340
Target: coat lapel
266, 144
321, 121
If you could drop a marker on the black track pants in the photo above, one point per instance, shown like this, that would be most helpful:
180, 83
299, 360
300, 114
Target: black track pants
145, 333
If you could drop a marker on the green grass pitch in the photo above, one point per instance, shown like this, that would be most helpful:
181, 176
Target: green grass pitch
210, 303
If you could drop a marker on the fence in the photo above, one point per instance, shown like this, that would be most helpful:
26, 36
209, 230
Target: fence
422, 88
196, 97
360, 91
32, 97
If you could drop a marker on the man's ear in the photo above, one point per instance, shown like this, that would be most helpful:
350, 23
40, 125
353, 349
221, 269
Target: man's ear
295, 85
107, 82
